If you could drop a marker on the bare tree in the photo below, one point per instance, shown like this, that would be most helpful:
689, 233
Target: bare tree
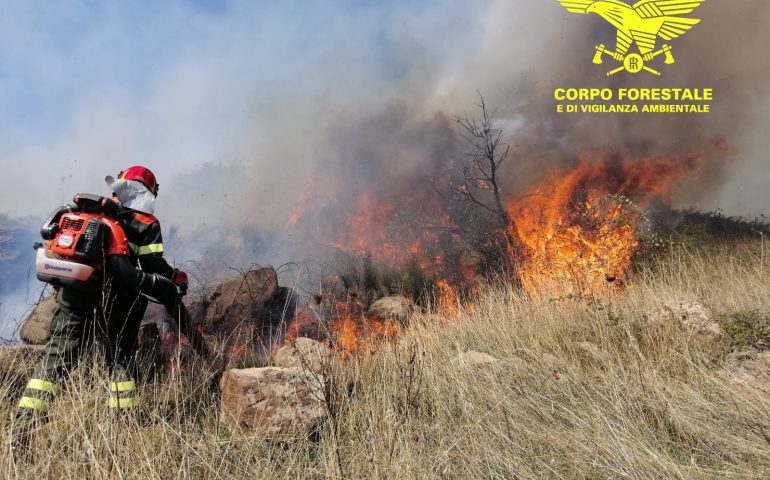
480, 174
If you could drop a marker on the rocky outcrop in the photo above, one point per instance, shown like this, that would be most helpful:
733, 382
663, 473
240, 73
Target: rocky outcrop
306, 354
698, 322
395, 307
36, 327
282, 404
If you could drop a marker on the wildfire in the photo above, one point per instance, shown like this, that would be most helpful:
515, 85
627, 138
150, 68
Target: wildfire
447, 301
578, 230
356, 333
376, 228
574, 233
348, 332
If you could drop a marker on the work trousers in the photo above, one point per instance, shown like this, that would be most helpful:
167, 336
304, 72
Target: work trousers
80, 321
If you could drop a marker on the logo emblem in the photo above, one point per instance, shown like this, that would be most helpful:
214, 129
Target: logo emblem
640, 24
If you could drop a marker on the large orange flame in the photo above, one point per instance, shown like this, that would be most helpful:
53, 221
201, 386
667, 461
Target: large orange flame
578, 229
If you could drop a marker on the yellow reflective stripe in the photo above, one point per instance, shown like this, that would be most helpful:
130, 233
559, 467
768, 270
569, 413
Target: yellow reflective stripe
147, 249
123, 402
43, 386
33, 403
123, 386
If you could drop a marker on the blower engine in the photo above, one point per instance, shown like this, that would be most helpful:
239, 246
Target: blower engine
75, 237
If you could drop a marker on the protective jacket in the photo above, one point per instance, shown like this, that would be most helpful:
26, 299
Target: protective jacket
145, 241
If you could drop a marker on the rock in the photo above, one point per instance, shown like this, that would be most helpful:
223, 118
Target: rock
394, 307
36, 326
750, 370
305, 353
698, 322
273, 403
241, 297
472, 358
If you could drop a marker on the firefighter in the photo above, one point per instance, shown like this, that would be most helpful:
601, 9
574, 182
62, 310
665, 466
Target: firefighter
136, 189
108, 312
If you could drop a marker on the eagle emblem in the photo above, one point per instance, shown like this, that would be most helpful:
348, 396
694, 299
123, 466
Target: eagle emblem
640, 24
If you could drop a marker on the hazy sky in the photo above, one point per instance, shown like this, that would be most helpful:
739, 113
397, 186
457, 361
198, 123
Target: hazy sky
88, 87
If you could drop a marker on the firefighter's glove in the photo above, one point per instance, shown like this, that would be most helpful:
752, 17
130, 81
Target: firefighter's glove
160, 288
180, 279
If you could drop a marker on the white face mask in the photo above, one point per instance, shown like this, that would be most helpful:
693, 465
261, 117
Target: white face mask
132, 194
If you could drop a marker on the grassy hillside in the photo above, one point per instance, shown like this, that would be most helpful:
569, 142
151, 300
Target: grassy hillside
648, 404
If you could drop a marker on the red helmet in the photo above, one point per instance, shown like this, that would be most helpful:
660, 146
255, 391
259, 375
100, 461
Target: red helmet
143, 175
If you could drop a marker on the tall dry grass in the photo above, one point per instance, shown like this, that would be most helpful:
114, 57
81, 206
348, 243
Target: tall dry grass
648, 404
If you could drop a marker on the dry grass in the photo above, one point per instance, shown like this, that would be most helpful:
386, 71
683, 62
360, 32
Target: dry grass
648, 406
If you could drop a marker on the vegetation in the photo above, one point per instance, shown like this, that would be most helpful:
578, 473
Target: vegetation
649, 405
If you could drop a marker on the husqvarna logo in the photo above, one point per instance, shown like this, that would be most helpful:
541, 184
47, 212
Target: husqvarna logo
48, 266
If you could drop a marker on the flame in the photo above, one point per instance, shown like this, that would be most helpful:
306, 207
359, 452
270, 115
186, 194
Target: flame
447, 301
353, 332
578, 230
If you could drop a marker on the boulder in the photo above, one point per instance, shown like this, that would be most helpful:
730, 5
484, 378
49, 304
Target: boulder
240, 299
751, 370
305, 353
282, 404
36, 326
395, 307
698, 323
472, 358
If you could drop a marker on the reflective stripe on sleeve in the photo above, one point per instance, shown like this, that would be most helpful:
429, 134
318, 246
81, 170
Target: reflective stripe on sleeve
123, 402
146, 249
33, 403
43, 386
123, 386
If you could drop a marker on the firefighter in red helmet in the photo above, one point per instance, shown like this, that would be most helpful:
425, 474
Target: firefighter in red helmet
134, 258
136, 189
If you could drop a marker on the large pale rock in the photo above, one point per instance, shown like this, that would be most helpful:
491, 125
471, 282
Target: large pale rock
273, 403
707, 334
750, 370
395, 307
305, 353
37, 325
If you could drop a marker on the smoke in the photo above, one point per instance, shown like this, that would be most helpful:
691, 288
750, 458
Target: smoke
252, 110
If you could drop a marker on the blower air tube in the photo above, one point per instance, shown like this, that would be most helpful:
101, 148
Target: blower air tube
163, 290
